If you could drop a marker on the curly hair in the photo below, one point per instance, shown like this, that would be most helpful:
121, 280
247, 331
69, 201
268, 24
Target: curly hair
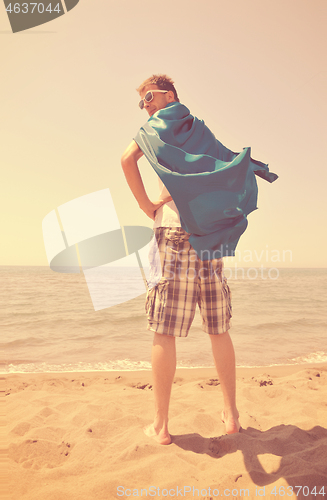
163, 82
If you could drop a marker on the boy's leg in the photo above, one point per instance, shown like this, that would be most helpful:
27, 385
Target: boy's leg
216, 311
224, 356
170, 308
163, 371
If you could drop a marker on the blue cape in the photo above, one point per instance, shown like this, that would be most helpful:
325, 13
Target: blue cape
213, 188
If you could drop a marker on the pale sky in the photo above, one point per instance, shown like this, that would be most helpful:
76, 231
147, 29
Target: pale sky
254, 70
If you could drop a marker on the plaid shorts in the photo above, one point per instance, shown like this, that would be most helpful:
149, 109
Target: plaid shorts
186, 281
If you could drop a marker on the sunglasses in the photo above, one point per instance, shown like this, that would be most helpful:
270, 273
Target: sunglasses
149, 96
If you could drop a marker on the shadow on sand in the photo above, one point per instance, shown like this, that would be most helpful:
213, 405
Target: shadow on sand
301, 452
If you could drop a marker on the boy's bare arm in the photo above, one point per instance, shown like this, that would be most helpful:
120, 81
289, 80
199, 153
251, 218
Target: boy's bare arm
129, 163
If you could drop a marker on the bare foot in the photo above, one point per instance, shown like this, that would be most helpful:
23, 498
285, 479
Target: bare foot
231, 422
162, 437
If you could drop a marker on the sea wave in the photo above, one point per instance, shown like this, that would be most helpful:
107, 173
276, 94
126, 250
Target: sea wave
119, 365
128, 365
314, 357
292, 324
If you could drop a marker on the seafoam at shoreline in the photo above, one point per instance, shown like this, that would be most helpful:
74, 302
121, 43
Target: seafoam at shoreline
126, 366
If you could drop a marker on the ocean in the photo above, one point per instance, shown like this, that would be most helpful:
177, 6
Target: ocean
48, 322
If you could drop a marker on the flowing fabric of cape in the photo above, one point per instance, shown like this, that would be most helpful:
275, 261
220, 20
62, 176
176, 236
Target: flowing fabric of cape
213, 188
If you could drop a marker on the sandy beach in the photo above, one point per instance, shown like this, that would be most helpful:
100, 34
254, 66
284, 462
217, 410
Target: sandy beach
79, 436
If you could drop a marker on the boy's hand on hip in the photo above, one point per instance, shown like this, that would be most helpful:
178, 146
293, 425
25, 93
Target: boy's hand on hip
150, 210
